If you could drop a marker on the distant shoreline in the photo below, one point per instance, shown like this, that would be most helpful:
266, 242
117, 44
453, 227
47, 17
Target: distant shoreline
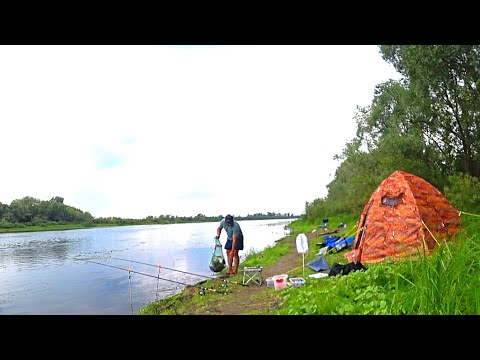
62, 227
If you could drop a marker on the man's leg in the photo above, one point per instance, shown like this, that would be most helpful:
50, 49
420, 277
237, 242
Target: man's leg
236, 260
229, 260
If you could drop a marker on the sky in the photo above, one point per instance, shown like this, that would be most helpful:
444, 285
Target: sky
134, 131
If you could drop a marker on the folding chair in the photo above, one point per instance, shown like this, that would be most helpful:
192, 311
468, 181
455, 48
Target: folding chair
252, 274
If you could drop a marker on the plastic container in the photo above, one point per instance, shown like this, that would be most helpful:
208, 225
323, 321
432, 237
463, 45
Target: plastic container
269, 282
280, 281
296, 282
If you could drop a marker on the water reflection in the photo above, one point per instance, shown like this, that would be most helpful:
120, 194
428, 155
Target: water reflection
30, 253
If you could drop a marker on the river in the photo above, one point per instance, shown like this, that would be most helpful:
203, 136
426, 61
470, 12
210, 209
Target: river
114, 270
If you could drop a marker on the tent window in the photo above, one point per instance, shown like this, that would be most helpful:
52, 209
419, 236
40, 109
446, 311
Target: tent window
391, 201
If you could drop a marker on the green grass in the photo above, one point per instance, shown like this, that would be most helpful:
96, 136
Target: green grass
268, 256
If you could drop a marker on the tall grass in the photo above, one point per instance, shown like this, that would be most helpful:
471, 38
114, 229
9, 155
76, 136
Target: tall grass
447, 282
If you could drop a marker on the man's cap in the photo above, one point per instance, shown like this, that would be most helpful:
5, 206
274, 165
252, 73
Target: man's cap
229, 219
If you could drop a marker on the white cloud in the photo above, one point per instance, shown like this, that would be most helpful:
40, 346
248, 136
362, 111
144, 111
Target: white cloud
132, 131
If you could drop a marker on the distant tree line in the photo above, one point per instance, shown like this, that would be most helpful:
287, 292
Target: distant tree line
427, 124
30, 212
171, 219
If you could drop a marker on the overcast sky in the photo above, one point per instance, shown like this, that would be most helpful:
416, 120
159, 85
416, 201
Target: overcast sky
132, 131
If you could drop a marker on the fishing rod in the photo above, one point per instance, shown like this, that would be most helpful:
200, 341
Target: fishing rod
138, 272
130, 290
164, 267
202, 291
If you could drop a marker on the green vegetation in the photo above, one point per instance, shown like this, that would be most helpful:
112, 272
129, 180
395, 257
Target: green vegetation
445, 283
428, 124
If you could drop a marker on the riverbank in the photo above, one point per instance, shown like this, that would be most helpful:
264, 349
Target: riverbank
410, 286
54, 227
227, 295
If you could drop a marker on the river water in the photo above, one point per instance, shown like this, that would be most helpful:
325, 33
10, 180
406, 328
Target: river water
114, 270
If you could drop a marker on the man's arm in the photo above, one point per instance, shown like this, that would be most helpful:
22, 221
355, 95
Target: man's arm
220, 227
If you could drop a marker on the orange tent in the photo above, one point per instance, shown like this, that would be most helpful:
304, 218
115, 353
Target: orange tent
399, 219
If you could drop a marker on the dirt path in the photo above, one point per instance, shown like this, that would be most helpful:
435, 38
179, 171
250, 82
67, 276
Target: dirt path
248, 299
233, 298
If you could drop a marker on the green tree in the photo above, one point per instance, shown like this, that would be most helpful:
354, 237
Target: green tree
391, 132
24, 210
426, 124
444, 81
4, 211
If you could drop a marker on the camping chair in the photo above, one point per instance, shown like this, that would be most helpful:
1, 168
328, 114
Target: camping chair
252, 273
325, 224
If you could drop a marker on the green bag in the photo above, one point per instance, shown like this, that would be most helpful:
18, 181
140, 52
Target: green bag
217, 262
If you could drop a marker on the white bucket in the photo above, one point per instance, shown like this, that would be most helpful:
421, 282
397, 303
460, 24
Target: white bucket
280, 281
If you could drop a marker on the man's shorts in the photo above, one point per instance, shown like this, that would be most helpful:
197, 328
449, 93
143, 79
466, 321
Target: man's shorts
239, 244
